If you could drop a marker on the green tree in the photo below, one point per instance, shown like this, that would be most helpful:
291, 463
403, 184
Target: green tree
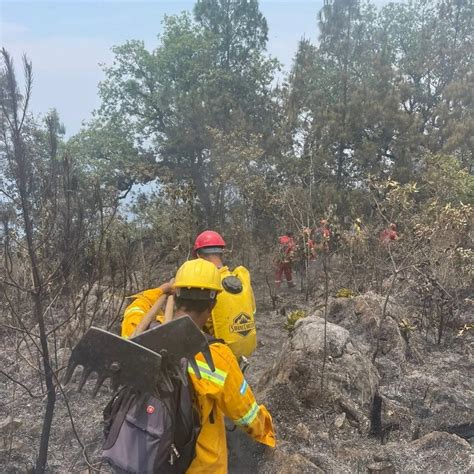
200, 78
239, 27
111, 159
338, 51
432, 57
379, 90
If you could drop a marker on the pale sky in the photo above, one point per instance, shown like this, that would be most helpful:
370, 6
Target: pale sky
67, 40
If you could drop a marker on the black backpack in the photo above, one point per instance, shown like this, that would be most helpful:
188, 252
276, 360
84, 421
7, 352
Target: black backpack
152, 433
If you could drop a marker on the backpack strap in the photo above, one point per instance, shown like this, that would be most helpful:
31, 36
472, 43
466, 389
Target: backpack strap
213, 340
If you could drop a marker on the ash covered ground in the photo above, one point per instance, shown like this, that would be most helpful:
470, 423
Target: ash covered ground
409, 410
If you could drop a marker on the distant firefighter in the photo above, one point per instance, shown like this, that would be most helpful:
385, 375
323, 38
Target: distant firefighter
308, 248
389, 235
284, 260
322, 235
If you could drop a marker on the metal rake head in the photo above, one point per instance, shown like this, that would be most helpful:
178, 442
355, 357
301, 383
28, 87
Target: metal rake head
142, 362
178, 339
110, 356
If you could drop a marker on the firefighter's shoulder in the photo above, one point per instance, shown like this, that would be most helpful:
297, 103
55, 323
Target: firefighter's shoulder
222, 355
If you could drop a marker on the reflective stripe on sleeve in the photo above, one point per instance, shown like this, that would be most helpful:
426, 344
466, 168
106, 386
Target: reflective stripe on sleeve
218, 377
243, 387
249, 416
134, 309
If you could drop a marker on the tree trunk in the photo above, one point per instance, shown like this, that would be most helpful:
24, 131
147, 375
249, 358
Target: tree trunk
22, 179
203, 195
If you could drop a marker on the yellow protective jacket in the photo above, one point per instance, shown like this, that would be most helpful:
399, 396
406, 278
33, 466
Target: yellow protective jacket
232, 319
224, 392
135, 311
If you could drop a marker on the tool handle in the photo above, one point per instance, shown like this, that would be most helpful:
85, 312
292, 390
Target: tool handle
169, 309
150, 316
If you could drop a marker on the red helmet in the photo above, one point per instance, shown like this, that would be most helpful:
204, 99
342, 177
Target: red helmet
209, 241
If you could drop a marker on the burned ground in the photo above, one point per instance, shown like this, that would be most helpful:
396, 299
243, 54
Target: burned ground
410, 410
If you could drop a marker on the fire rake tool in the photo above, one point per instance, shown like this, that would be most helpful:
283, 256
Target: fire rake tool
142, 362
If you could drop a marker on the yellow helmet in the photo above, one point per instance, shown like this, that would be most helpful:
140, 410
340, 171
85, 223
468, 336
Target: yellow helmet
198, 274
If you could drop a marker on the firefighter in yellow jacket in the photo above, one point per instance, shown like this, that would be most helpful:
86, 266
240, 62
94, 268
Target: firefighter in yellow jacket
233, 317
223, 392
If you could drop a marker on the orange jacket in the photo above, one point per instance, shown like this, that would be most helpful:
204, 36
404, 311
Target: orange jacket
225, 392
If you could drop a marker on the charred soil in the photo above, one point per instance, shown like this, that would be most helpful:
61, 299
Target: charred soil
409, 410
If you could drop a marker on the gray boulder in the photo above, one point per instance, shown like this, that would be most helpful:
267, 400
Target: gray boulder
350, 379
362, 317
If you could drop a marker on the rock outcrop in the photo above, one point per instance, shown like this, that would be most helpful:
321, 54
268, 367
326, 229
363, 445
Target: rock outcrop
372, 330
348, 385
396, 413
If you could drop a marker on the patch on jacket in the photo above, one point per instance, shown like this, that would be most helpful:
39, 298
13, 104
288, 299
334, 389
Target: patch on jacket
242, 324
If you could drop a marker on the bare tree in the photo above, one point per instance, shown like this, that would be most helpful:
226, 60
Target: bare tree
14, 112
